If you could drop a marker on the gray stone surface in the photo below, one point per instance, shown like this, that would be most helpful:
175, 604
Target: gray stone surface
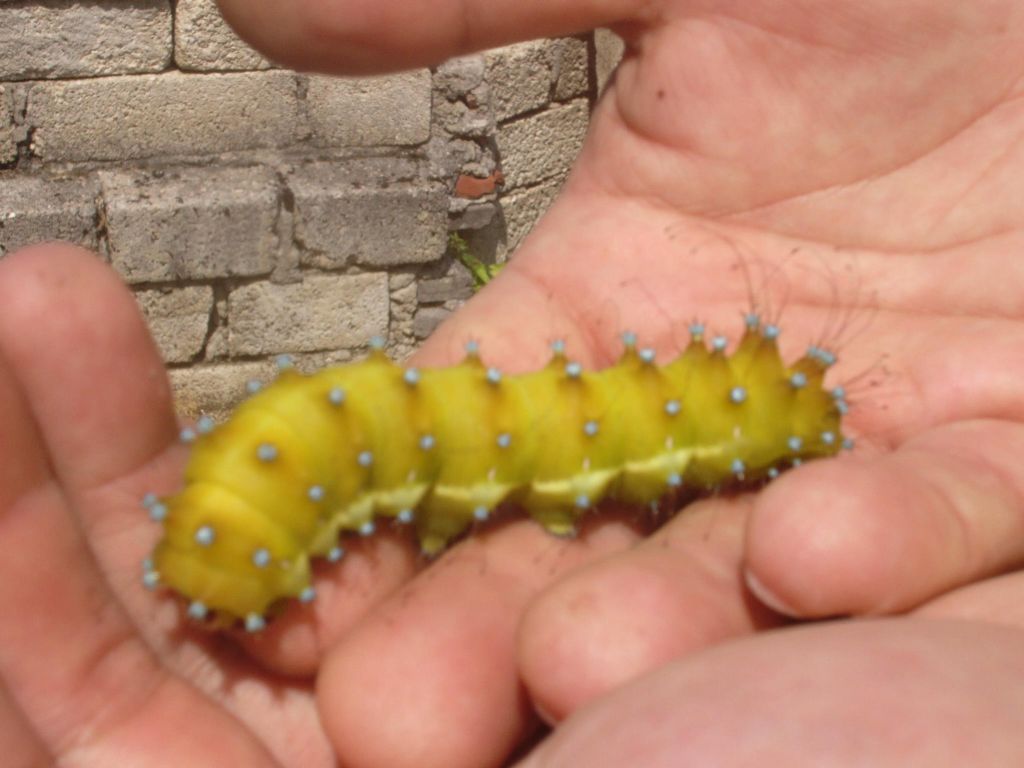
520, 78
457, 77
36, 208
403, 288
570, 68
204, 42
358, 173
69, 38
215, 389
523, 208
459, 119
472, 216
392, 110
142, 116
8, 144
427, 319
191, 222
178, 318
609, 50
458, 287
542, 146
341, 220
8, 140
322, 312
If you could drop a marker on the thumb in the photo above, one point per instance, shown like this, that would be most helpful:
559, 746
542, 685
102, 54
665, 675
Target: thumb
366, 36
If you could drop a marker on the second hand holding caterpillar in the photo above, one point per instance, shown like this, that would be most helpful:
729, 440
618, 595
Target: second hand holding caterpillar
312, 457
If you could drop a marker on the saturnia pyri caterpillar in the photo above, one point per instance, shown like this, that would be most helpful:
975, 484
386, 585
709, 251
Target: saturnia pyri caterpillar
313, 457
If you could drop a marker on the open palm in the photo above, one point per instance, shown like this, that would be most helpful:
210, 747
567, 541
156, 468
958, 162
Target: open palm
854, 168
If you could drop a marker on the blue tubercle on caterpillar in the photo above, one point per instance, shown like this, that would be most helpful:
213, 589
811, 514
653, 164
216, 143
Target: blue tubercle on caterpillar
312, 457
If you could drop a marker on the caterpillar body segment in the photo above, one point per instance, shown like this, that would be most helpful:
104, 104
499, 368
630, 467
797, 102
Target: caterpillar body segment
314, 457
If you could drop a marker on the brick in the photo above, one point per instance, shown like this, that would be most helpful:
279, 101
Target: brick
393, 110
204, 42
341, 220
178, 318
542, 146
520, 78
36, 208
215, 389
175, 114
322, 312
469, 187
67, 38
427, 319
571, 68
191, 223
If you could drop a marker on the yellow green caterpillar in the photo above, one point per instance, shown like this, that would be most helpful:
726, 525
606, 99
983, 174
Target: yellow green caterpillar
312, 458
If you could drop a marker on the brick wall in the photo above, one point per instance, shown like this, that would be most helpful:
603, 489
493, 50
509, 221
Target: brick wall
256, 211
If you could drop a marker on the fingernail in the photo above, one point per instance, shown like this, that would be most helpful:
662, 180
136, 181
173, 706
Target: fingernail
765, 595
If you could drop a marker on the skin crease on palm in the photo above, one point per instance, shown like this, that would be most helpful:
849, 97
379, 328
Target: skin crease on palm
861, 165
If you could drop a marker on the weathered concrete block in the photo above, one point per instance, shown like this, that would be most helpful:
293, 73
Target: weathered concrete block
457, 287
520, 77
427, 319
570, 68
457, 77
320, 313
609, 49
340, 220
8, 144
459, 119
36, 208
471, 216
8, 140
542, 146
204, 42
215, 389
140, 116
361, 112
68, 38
191, 222
178, 318
523, 208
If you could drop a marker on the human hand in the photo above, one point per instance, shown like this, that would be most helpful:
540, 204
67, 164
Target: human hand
872, 144
866, 153
93, 670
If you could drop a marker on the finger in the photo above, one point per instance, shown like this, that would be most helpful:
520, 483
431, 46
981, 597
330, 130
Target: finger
94, 379
431, 678
71, 660
22, 747
360, 36
612, 621
294, 644
884, 534
999, 600
879, 693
